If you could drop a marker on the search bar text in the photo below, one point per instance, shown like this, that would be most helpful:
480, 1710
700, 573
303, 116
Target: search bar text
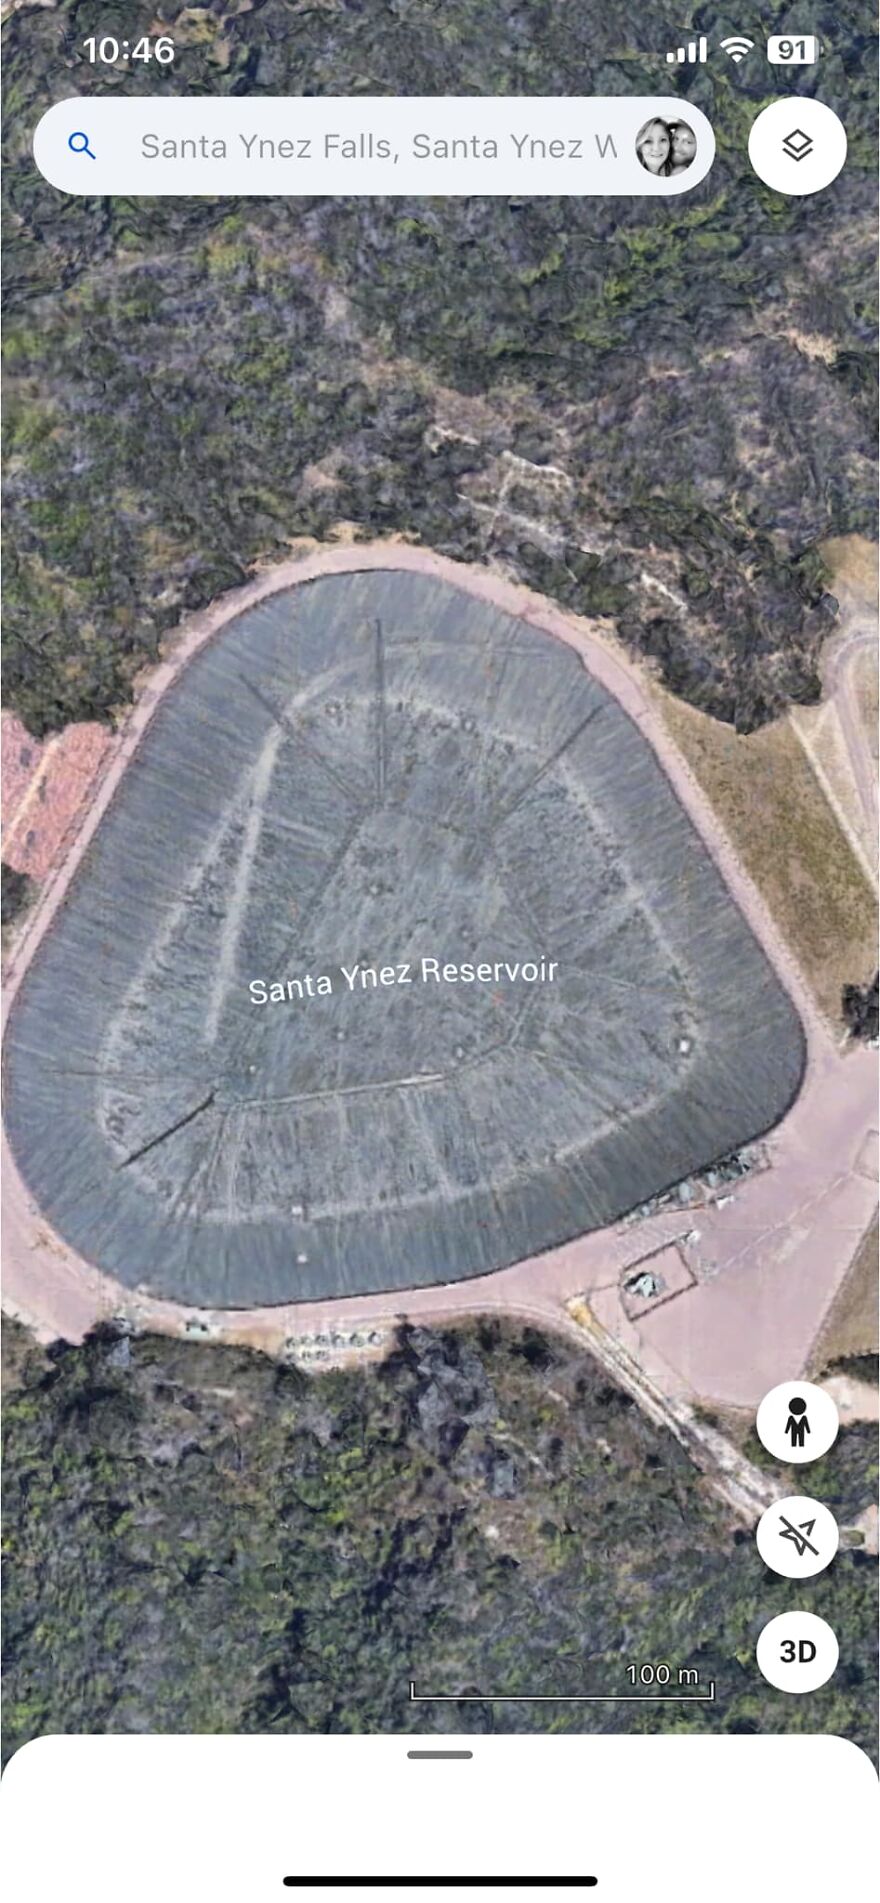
329, 147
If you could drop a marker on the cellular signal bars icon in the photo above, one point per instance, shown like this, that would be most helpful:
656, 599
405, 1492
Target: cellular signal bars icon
694, 54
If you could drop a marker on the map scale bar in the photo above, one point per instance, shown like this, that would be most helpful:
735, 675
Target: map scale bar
561, 1698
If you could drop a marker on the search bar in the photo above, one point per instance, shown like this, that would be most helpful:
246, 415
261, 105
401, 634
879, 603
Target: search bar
374, 147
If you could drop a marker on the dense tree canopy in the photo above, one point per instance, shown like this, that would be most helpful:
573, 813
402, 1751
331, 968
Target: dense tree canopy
672, 400
200, 1539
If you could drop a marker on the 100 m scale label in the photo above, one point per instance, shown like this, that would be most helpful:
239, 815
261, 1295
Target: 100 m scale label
662, 1674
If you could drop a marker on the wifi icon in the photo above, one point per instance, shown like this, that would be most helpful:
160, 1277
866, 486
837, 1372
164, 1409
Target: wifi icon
737, 46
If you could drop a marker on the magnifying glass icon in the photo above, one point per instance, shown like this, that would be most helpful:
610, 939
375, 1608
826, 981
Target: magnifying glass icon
79, 142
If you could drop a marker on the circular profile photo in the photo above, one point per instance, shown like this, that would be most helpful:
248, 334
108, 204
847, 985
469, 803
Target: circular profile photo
666, 147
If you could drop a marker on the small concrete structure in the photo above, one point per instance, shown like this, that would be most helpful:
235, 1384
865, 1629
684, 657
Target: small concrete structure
655, 1280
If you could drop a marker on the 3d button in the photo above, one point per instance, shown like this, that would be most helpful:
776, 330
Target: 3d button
797, 1652
797, 1537
797, 146
797, 1422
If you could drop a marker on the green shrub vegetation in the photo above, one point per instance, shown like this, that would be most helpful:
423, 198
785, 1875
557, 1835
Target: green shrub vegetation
701, 372
199, 1539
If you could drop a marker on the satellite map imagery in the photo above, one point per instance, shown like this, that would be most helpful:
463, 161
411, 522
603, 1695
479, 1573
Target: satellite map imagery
439, 896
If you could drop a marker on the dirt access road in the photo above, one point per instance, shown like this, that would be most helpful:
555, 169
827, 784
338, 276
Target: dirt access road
841, 685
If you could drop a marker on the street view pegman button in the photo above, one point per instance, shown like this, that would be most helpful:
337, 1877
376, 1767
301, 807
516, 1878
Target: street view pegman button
797, 1652
797, 146
797, 1422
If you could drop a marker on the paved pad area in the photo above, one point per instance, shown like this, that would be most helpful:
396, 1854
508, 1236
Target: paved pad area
369, 771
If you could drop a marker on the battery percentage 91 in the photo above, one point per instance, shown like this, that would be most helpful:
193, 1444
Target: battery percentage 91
783, 50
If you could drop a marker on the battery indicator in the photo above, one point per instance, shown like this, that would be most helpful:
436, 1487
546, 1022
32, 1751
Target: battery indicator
783, 50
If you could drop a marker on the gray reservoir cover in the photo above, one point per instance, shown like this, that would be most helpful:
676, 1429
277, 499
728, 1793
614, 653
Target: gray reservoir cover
394, 960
